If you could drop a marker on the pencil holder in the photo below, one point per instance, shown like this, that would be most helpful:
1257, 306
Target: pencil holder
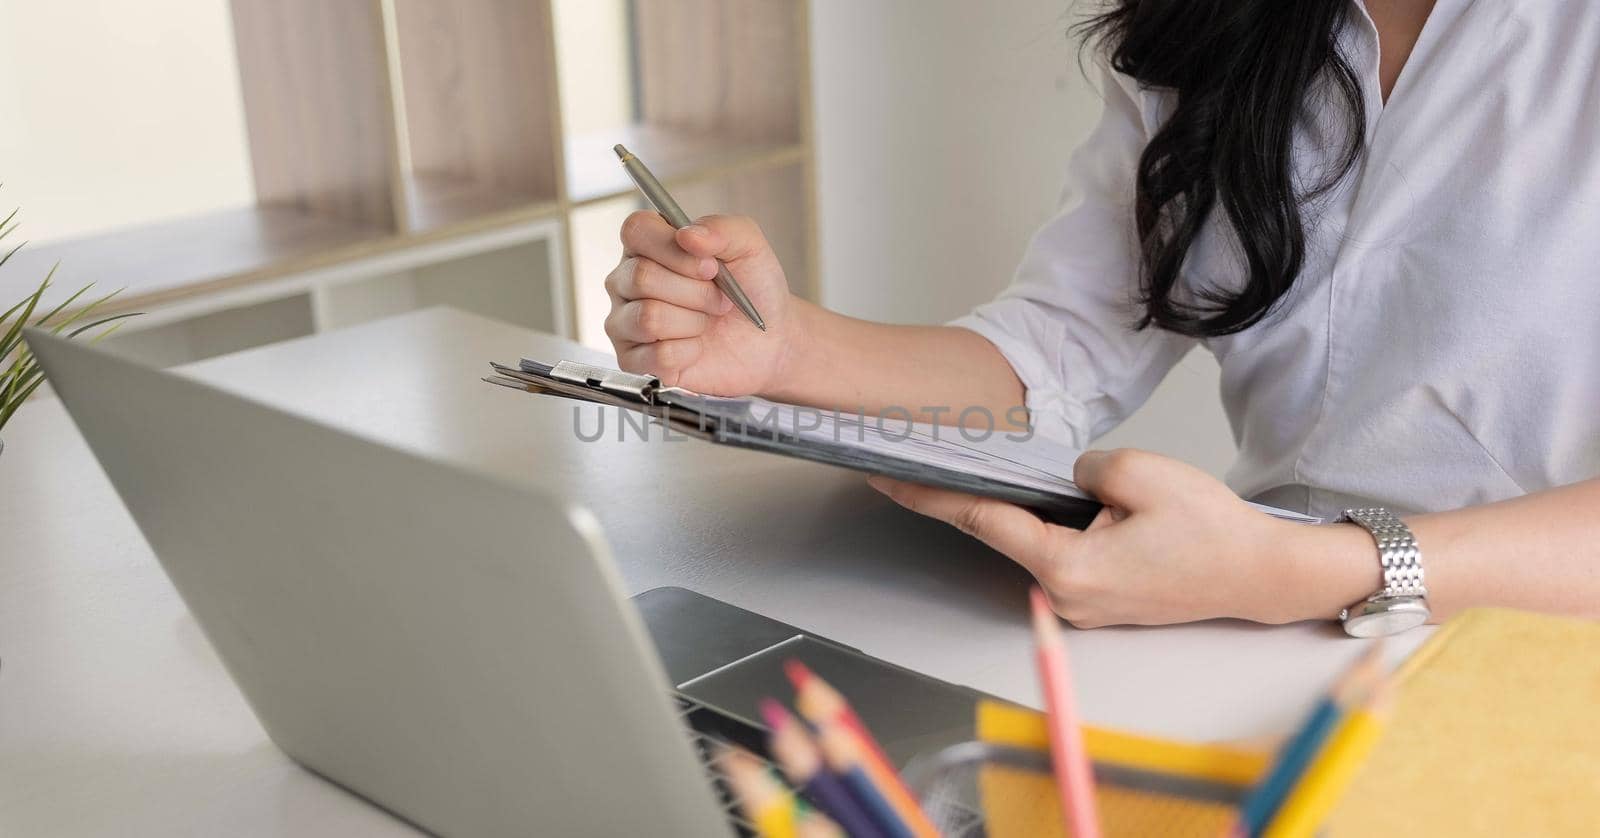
1002, 786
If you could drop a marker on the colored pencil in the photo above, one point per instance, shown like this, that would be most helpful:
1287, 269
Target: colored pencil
1308, 805
1068, 756
762, 799
814, 824
1297, 753
797, 754
841, 751
818, 700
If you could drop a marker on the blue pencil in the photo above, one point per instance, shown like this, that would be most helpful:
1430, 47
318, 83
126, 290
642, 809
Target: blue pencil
844, 760
835, 799
1296, 754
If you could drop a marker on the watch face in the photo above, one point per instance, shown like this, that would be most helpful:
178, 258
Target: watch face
1386, 617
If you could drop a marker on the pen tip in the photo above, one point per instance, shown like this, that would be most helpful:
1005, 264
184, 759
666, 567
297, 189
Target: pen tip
622, 153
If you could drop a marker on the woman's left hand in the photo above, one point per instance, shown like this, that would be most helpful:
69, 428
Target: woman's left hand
1172, 545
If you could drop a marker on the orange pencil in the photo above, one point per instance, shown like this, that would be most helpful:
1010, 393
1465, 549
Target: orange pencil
819, 702
1069, 758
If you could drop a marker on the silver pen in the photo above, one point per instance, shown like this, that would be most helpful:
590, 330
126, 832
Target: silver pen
675, 216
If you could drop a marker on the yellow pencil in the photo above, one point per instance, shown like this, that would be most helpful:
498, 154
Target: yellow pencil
768, 805
1308, 805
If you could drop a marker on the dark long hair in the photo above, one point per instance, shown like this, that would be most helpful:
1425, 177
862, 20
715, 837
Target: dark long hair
1243, 71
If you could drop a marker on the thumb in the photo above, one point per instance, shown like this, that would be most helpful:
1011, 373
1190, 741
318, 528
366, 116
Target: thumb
725, 237
1128, 478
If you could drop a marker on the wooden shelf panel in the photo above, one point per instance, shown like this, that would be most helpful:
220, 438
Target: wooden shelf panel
184, 256
476, 81
316, 95
441, 200
695, 72
674, 155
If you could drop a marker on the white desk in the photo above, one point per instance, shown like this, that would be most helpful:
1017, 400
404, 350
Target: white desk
116, 717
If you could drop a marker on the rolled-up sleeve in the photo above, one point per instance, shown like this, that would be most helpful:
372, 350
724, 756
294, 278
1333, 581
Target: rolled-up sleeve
1065, 322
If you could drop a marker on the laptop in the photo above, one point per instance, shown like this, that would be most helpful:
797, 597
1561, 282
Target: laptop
457, 649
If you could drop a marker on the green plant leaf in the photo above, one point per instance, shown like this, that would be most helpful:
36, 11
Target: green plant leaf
15, 370
70, 300
113, 328
18, 381
102, 321
80, 313
6, 411
13, 335
11, 311
13, 251
20, 373
25, 369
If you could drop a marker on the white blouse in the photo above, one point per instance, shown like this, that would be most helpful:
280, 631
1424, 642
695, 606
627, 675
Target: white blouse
1441, 346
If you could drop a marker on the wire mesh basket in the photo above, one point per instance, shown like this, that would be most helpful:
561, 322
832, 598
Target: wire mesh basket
983, 789
947, 782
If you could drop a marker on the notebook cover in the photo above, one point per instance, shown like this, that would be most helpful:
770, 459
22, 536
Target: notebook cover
1496, 732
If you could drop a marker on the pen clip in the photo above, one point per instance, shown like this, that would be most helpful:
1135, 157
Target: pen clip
632, 385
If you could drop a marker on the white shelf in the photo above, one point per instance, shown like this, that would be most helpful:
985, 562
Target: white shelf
184, 256
512, 285
219, 333
515, 273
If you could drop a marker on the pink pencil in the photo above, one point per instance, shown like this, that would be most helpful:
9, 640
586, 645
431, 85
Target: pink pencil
1074, 776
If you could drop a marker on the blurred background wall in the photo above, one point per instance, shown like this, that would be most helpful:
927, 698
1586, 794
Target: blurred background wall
78, 144
943, 128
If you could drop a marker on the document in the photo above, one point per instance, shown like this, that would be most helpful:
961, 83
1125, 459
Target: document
1011, 465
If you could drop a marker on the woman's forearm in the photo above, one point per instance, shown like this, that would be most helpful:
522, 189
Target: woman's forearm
933, 373
1539, 552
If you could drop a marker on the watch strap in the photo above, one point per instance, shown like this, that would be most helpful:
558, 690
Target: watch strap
1397, 551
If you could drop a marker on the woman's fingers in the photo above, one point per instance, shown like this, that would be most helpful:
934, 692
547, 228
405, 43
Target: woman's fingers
638, 278
665, 359
647, 234
644, 321
727, 237
1012, 530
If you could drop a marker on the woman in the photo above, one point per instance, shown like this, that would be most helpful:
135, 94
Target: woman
1383, 218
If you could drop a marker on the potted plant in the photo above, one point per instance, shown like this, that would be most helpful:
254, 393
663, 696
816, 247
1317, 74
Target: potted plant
20, 374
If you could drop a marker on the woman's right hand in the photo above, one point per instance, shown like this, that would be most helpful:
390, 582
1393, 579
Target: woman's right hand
668, 319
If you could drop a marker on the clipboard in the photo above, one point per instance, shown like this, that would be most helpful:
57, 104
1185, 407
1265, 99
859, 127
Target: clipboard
1012, 466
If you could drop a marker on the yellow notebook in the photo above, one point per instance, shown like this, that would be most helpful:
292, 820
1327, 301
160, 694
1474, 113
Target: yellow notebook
1496, 732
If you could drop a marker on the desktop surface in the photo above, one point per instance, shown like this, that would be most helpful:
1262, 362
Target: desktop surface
116, 717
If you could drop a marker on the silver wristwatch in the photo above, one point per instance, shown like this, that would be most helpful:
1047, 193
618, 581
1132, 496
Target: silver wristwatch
1403, 602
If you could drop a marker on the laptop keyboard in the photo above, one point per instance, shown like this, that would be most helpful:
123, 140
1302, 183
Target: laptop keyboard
709, 728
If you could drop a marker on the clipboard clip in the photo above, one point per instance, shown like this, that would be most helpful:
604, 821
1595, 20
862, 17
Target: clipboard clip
631, 385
